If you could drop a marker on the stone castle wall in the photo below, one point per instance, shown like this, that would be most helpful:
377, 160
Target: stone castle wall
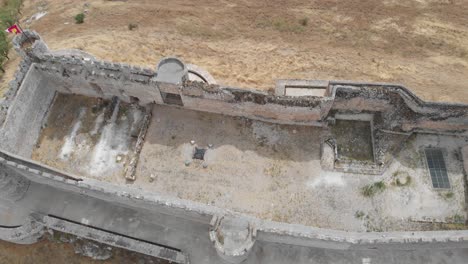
185, 224
182, 218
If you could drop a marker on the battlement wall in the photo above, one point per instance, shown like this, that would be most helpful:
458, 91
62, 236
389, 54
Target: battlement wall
78, 73
103, 79
187, 217
42, 74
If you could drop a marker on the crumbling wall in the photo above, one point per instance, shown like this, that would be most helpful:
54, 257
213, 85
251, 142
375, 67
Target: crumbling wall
401, 110
271, 112
28, 232
103, 79
100, 79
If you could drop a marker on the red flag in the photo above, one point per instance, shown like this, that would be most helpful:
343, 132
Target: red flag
14, 29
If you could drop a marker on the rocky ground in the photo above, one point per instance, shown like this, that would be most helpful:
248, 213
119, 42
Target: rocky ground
57, 247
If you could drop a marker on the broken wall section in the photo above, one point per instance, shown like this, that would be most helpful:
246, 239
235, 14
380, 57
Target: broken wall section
400, 110
254, 104
76, 73
103, 79
395, 113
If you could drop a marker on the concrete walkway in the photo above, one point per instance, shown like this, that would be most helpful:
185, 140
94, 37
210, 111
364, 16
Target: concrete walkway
162, 229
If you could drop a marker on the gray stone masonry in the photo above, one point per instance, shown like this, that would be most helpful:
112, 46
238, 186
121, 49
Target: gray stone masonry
179, 230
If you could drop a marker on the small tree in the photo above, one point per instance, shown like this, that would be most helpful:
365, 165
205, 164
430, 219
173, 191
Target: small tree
132, 26
7, 18
304, 21
79, 19
4, 44
2, 60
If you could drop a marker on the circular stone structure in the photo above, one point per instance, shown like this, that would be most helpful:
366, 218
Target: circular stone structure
196, 73
233, 238
171, 70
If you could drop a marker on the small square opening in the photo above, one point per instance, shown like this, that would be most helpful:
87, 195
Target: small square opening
199, 153
172, 99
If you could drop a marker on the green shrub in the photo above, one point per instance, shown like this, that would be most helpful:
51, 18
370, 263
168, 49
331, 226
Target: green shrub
282, 24
132, 26
304, 21
458, 219
7, 19
4, 48
8, 16
372, 189
79, 19
359, 214
448, 195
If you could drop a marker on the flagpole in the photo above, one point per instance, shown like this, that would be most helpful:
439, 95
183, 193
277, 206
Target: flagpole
22, 31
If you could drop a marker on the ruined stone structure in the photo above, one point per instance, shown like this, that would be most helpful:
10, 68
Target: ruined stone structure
37, 194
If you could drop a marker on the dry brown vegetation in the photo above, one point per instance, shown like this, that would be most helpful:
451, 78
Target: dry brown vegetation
55, 252
422, 44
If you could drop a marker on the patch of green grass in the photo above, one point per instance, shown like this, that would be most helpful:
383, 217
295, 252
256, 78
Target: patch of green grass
201, 31
458, 219
79, 18
132, 26
8, 16
453, 226
284, 25
354, 140
123, 111
359, 214
304, 21
56, 237
448, 195
372, 189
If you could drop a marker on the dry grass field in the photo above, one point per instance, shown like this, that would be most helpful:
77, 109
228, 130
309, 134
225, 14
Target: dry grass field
251, 43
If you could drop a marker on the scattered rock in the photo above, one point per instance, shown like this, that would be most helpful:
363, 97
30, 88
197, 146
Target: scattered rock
152, 177
93, 250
